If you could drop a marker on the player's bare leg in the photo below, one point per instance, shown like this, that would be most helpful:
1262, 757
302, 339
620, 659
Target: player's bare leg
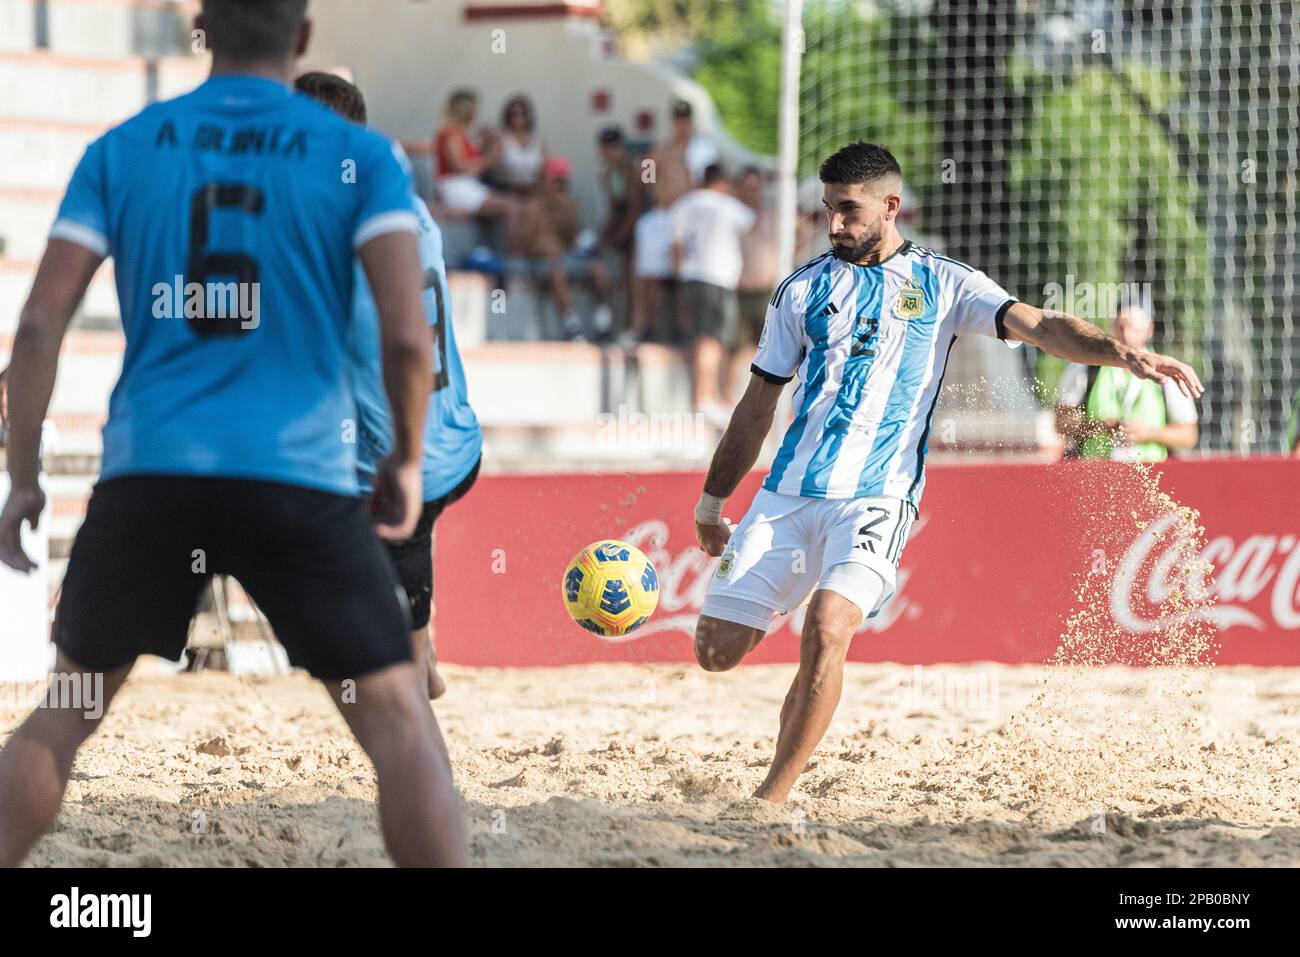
428, 646
720, 645
426, 670
426, 660
419, 810
828, 630
37, 760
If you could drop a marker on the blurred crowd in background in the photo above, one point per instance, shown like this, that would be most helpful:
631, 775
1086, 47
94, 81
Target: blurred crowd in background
684, 252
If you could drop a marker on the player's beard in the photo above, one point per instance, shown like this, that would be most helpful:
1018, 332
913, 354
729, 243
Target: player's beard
858, 251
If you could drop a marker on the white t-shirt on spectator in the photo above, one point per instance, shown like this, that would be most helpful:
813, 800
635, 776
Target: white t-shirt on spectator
709, 224
1072, 391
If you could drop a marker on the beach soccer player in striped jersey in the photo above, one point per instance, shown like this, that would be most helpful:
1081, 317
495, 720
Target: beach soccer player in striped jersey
233, 214
867, 328
452, 442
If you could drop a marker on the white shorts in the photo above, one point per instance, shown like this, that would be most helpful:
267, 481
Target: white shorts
462, 194
654, 245
787, 546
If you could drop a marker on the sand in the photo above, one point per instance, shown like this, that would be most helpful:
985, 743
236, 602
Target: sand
631, 765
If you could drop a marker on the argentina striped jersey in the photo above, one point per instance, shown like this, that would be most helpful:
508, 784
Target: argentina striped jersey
869, 345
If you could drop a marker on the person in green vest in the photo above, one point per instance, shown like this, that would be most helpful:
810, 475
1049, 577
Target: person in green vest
1107, 412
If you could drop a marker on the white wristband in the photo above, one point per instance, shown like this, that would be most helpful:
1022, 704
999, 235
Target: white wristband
709, 510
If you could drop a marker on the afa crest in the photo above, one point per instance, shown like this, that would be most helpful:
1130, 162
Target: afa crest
728, 562
911, 301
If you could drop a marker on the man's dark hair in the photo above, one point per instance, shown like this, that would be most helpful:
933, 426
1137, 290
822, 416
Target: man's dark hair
859, 162
252, 30
335, 92
712, 174
751, 170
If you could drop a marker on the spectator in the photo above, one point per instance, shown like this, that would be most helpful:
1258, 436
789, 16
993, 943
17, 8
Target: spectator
758, 276
523, 154
680, 163
619, 185
707, 226
460, 161
653, 276
1108, 412
675, 167
544, 232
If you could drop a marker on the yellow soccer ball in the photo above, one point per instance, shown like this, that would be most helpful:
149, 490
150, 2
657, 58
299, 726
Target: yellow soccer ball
610, 588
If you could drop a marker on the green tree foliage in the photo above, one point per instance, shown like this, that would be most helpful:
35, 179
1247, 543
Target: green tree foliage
1097, 187
736, 49
742, 72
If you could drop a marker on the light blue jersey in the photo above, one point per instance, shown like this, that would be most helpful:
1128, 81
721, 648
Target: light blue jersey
452, 438
870, 345
234, 214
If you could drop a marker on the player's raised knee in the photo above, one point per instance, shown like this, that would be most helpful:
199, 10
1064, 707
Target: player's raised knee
720, 645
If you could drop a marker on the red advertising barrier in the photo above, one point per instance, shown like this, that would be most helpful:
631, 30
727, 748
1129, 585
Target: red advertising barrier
991, 572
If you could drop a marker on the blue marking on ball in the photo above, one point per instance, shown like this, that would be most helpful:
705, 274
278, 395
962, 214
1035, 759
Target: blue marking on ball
572, 582
610, 552
649, 580
615, 599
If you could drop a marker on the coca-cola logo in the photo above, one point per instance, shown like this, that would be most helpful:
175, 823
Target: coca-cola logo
1240, 575
684, 578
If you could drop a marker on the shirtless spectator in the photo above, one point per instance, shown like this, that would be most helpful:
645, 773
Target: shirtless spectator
461, 159
758, 277
543, 233
677, 167
680, 163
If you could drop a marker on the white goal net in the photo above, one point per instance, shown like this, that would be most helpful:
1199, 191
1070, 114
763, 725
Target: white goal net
1088, 153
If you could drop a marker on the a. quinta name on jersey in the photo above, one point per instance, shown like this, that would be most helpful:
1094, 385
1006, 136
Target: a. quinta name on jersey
210, 137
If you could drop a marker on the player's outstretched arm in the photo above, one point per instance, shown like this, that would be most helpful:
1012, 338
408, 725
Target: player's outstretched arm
1077, 340
735, 456
392, 264
61, 280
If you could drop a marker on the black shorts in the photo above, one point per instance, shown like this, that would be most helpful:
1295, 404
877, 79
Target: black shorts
711, 311
310, 559
413, 558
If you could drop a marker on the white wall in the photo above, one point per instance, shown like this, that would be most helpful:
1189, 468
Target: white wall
426, 49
